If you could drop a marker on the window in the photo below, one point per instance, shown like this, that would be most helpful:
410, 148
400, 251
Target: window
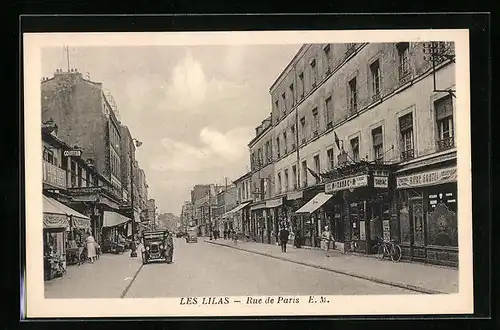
292, 94
329, 154
301, 79
355, 148
48, 156
353, 97
283, 102
261, 162
406, 134
375, 74
444, 120
328, 59
285, 143
404, 60
252, 161
378, 143
286, 180
73, 174
304, 173
294, 178
315, 121
292, 129
279, 183
278, 147
303, 129
329, 112
277, 106
268, 153
317, 167
314, 73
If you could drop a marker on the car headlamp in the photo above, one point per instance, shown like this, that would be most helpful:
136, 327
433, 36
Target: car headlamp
147, 248
161, 246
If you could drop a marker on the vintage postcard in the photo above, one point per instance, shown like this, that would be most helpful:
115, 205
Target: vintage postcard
248, 173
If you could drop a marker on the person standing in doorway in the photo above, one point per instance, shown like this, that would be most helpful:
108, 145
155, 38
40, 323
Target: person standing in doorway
284, 233
326, 238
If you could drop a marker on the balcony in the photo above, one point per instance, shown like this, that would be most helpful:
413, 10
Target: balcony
376, 96
315, 133
404, 73
294, 186
445, 144
407, 154
329, 125
53, 175
313, 84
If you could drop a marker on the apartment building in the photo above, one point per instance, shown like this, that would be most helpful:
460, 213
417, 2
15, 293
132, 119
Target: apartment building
244, 199
364, 143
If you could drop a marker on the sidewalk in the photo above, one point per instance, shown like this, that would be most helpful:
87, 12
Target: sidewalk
418, 277
107, 277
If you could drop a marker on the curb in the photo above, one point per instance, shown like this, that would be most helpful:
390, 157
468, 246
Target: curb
129, 285
368, 278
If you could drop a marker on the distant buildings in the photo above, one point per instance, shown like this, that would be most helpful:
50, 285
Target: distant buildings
168, 221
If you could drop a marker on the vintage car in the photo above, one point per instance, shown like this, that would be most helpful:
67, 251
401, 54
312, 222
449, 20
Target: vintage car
192, 235
155, 247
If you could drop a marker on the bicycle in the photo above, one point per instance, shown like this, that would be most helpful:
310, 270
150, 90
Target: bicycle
389, 249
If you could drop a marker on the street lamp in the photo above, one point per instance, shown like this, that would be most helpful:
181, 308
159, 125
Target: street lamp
133, 247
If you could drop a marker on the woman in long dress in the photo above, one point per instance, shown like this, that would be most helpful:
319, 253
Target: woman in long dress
91, 250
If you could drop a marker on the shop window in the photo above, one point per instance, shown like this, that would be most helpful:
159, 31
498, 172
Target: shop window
355, 149
444, 121
329, 154
357, 214
48, 156
378, 143
406, 137
442, 216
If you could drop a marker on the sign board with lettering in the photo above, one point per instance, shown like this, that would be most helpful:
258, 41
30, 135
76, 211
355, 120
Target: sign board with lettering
380, 182
386, 228
294, 195
428, 178
348, 183
72, 153
274, 203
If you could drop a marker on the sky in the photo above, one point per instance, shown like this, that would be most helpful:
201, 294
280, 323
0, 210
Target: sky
194, 108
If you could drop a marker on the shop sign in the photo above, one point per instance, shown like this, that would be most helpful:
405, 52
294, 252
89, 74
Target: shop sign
427, 178
294, 195
349, 183
380, 181
258, 206
386, 230
274, 203
72, 153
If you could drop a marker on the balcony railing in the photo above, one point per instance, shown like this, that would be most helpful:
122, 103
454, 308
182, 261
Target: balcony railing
404, 73
53, 175
407, 154
445, 144
376, 96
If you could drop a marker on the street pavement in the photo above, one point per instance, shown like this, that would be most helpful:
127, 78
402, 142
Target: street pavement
207, 269
204, 269
414, 276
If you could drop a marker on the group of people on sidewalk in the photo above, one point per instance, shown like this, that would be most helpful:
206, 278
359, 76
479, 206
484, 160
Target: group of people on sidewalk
285, 235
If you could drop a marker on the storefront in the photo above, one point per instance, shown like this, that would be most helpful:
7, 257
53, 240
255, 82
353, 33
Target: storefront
314, 218
258, 221
233, 219
277, 216
427, 208
361, 211
114, 226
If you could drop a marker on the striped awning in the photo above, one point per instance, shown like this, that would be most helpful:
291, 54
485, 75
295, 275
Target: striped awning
77, 219
234, 210
113, 219
53, 217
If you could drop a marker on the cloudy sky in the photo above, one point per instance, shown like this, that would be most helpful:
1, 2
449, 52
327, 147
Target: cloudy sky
194, 108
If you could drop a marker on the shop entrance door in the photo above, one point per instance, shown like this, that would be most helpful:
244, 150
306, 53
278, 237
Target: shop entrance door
417, 219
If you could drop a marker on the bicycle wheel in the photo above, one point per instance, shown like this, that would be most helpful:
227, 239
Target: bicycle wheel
396, 253
385, 251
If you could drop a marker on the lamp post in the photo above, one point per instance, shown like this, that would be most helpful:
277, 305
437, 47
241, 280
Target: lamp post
133, 248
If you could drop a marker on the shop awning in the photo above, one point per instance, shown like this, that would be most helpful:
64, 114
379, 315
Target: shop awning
234, 210
113, 219
314, 203
56, 215
78, 220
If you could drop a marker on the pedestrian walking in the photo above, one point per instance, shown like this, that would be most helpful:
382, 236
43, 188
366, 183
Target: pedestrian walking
284, 233
297, 238
326, 238
225, 233
91, 250
234, 236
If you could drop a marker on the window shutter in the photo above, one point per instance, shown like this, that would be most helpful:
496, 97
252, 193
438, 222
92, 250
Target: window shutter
444, 107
